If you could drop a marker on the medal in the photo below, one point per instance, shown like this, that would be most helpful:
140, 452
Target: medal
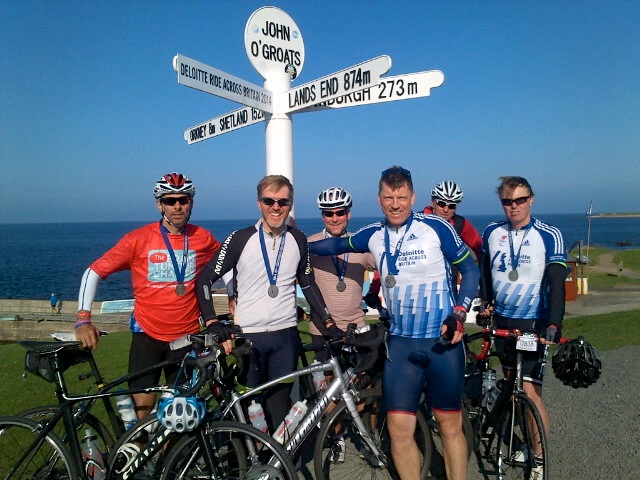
513, 275
273, 291
389, 281
341, 286
179, 271
181, 289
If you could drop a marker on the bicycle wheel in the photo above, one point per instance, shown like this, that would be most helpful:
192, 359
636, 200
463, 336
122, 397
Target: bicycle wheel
105, 439
341, 452
24, 455
123, 460
228, 450
521, 447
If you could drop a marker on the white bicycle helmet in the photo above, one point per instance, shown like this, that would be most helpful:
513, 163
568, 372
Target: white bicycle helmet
334, 197
448, 191
174, 183
180, 414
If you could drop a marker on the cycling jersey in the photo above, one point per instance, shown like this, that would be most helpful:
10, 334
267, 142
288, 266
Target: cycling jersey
345, 305
528, 251
465, 229
159, 311
256, 310
422, 295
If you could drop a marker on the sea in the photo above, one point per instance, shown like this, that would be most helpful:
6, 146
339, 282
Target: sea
37, 259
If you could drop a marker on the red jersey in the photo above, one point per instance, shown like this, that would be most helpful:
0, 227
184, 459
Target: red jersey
160, 312
465, 229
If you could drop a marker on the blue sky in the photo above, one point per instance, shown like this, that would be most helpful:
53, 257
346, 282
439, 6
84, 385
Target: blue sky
92, 114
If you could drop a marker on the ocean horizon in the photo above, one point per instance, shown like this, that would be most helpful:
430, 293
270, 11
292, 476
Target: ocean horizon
40, 258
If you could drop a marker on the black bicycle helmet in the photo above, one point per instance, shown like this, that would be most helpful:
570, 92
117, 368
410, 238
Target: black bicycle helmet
577, 363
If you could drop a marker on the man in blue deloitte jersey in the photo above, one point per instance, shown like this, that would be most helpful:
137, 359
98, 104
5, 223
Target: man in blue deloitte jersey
413, 253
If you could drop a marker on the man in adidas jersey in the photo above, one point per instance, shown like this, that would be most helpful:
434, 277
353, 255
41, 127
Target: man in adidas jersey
523, 269
413, 253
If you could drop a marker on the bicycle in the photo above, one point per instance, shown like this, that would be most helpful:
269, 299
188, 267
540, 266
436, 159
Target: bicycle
357, 411
32, 449
508, 431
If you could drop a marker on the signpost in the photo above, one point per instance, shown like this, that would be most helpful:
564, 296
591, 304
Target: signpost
275, 48
389, 89
337, 84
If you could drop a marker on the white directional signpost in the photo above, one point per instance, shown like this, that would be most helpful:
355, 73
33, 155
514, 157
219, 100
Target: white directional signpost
275, 48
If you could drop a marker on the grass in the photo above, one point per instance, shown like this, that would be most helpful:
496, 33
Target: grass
20, 390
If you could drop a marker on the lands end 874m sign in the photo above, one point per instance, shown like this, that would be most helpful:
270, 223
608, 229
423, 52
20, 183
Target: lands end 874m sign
273, 42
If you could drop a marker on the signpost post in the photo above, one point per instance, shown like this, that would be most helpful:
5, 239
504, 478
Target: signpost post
275, 48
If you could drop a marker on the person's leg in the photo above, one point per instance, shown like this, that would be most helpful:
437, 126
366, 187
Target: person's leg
404, 450
454, 443
143, 353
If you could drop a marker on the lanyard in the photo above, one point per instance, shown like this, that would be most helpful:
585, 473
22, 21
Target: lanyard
178, 272
341, 270
515, 259
393, 257
273, 277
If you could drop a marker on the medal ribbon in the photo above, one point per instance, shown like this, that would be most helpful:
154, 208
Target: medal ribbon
180, 273
341, 270
392, 258
515, 259
273, 277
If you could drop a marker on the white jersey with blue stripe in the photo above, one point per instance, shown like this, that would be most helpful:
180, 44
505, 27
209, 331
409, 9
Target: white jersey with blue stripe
423, 295
538, 244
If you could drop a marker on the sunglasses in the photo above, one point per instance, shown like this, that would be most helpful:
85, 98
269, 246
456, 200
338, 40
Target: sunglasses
171, 201
339, 213
402, 171
441, 204
507, 202
270, 202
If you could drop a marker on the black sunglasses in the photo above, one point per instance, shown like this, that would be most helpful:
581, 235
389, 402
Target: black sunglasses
171, 201
442, 204
339, 213
402, 171
270, 202
507, 202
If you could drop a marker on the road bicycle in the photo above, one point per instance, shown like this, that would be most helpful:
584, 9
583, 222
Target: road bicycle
30, 449
509, 433
350, 443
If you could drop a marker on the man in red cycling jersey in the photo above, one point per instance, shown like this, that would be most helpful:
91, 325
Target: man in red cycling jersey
164, 258
445, 198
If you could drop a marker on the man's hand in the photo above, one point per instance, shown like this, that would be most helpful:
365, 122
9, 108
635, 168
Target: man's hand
452, 329
552, 335
88, 336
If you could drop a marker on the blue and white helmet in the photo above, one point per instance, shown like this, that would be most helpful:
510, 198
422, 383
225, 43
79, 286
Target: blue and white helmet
180, 414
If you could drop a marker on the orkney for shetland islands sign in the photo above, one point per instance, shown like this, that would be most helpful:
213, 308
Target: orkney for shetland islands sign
273, 42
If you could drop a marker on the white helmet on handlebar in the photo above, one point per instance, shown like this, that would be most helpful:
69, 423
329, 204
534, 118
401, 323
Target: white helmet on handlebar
180, 414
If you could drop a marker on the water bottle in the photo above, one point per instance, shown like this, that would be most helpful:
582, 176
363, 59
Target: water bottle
291, 421
319, 380
488, 384
126, 410
92, 457
256, 415
493, 394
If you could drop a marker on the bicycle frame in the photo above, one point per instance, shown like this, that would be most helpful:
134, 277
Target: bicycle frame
339, 387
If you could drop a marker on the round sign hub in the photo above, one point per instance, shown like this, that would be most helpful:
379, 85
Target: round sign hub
274, 43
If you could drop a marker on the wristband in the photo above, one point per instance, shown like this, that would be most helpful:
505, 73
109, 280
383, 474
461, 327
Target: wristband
460, 308
84, 315
82, 323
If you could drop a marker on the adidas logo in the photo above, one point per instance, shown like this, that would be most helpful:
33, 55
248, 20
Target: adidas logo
412, 237
526, 243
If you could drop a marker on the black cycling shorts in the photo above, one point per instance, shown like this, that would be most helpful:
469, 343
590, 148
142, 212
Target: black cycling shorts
145, 352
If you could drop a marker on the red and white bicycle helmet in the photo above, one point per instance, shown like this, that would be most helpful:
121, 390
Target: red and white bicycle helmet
174, 183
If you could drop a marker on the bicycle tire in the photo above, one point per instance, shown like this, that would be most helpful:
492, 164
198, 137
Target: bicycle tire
127, 447
104, 436
357, 461
21, 456
515, 455
225, 442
